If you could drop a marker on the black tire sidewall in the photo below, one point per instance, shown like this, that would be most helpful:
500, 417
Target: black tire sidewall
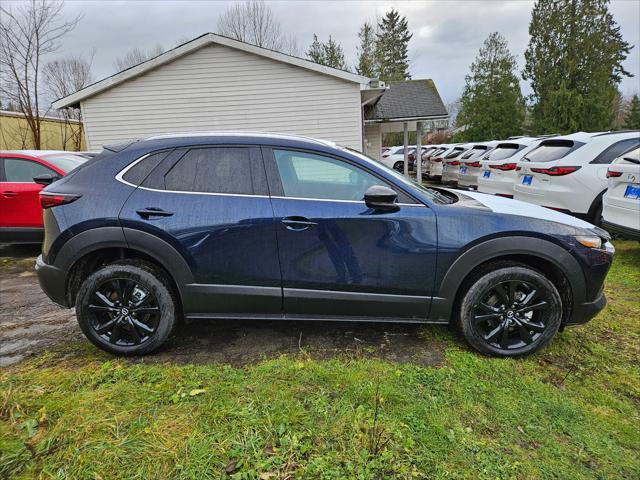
150, 279
395, 165
479, 288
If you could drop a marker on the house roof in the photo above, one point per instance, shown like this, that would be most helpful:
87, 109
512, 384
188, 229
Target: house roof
208, 38
407, 100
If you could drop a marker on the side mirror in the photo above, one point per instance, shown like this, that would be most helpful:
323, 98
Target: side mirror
381, 198
46, 179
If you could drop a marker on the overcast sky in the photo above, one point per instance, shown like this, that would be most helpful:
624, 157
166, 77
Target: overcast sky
446, 34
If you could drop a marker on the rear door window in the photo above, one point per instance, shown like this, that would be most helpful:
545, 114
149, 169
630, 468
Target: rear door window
230, 170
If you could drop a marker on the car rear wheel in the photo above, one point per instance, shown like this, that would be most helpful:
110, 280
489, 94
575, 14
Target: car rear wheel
126, 308
510, 312
399, 166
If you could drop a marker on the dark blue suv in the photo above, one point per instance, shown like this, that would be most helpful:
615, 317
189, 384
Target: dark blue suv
257, 226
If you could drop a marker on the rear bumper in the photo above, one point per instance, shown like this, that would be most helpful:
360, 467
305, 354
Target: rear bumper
53, 282
626, 232
21, 235
583, 312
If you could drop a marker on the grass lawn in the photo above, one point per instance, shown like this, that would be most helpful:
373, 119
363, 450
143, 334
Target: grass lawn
572, 411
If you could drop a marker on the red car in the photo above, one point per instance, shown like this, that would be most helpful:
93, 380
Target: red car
22, 175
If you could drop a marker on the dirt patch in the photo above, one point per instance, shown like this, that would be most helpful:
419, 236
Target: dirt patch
31, 323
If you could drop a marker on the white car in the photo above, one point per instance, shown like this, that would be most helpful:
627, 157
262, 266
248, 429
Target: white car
427, 153
569, 173
394, 157
621, 202
436, 160
451, 164
470, 164
497, 171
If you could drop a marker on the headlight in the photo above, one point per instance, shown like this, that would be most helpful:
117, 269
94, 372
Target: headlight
594, 241
589, 241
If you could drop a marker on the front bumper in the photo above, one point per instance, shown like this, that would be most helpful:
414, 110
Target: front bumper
583, 312
53, 282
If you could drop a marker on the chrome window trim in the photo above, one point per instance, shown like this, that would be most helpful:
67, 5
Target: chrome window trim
120, 175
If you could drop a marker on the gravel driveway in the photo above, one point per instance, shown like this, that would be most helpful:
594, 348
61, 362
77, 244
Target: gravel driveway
31, 323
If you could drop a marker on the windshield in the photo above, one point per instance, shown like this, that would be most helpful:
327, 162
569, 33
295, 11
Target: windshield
501, 152
65, 162
551, 150
433, 195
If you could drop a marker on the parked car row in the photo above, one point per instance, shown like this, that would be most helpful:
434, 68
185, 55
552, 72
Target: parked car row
568, 173
23, 173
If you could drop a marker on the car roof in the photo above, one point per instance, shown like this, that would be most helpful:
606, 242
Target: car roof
38, 153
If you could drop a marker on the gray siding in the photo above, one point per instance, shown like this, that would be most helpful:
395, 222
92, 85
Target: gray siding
373, 141
220, 88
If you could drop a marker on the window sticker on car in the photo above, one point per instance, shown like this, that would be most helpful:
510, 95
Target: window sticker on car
526, 180
632, 191
486, 174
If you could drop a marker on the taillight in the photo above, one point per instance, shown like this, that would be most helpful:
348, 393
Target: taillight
556, 171
472, 164
613, 174
48, 200
518, 169
505, 167
455, 163
437, 160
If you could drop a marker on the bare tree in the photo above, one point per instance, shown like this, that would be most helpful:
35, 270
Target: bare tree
254, 22
27, 34
64, 77
136, 56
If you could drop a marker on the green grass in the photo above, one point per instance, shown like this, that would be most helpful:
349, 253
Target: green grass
571, 411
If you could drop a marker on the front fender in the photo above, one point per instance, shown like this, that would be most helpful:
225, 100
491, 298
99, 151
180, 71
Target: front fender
496, 248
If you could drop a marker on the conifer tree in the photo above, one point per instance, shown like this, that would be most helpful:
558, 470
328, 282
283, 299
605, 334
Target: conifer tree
492, 106
574, 62
392, 47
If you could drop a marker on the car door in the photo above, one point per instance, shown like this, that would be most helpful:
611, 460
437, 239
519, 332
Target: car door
19, 200
338, 257
212, 205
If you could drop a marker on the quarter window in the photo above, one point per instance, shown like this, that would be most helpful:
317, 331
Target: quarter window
615, 150
143, 168
308, 175
23, 171
214, 170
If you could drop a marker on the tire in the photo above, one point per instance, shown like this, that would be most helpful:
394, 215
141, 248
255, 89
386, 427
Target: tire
127, 308
398, 166
596, 216
496, 314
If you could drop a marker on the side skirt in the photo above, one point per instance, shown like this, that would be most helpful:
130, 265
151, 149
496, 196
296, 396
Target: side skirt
295, 317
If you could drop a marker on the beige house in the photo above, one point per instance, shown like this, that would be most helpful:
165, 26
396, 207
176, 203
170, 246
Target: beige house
217, 83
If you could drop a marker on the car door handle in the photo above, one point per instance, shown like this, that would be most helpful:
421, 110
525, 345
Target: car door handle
298, 224
149, 212
9, 194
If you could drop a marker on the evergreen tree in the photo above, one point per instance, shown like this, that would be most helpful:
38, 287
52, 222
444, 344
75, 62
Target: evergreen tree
392, 46
574, 62
367, 64
492, 106
329, 53
632, 118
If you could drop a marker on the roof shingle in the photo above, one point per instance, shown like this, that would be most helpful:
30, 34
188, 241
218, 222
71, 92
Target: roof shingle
407, 99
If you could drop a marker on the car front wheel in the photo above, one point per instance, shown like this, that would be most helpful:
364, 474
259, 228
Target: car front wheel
126, 308
511, 311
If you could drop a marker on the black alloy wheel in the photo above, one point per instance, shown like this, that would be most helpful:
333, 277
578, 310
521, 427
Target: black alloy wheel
125, 312
127, 307
509, 310
509, 315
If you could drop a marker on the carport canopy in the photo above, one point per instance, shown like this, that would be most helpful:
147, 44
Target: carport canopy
408, 105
